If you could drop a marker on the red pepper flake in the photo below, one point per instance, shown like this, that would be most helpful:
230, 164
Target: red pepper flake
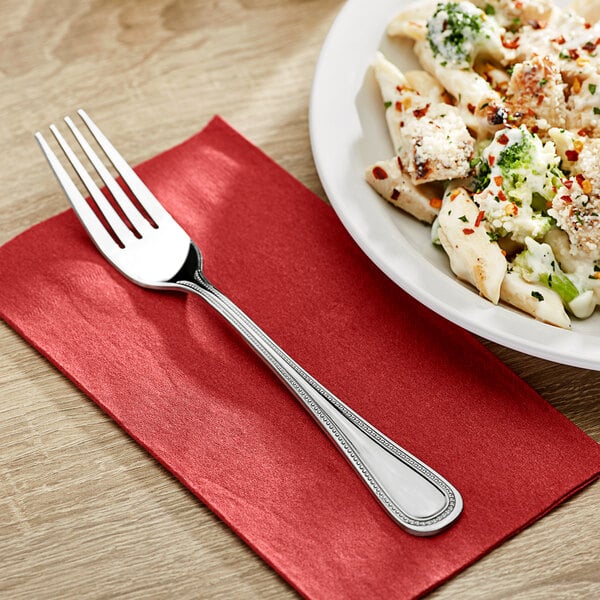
468, 231
512, 44
540, 99
573, 53
586, 186
503, 139
421, 112
582, 133
435, 203
587, 25
589, 47
395, 194
400, 162
580, 178
491, 160
379, 173
566, 199
498, 180
568, 183
572, 155
479, 218
502, 195
401, 123
534, 129
471, 108
398, 106
559, 40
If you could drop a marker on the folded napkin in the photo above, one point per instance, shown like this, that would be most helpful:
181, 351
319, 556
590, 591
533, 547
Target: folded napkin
183, 384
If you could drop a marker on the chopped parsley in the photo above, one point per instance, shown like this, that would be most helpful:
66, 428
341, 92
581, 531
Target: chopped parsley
515, 25
537, 296
453, 31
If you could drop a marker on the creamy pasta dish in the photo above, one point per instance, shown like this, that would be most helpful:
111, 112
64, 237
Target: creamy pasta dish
497, 147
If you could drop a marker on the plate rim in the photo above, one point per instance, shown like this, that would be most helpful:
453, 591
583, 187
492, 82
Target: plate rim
551, 343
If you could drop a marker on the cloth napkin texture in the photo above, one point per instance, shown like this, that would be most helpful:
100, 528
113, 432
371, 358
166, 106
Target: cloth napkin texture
183, 384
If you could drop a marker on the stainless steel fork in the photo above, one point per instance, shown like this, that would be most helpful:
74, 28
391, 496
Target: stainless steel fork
163, 257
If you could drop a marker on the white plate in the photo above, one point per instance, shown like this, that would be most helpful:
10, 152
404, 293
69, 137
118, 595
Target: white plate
348, 133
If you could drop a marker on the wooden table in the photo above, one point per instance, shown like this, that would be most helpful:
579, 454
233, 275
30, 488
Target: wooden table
84, 511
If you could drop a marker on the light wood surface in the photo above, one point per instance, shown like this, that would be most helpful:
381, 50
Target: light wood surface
85, 512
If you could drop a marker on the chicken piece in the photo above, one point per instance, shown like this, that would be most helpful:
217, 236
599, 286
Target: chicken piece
566, 37
583, 106
390, 182
430, 138
474, 256
576, 206
559, 241
535, 299
577, 214
535, 96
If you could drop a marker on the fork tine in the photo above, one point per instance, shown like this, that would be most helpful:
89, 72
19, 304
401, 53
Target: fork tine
138, 221
145, 197
82, 209
119, 228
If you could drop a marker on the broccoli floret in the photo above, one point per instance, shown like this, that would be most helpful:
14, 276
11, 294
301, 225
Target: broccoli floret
517, 156
455, 30
537, 264
514, 180
561, 284
529, 168
481, 177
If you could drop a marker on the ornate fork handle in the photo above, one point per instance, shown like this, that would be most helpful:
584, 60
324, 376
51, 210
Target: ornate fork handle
415, 496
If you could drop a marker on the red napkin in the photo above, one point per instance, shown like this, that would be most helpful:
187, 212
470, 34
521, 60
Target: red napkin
179, 381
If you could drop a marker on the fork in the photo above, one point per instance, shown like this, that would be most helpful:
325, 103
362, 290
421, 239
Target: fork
160, 255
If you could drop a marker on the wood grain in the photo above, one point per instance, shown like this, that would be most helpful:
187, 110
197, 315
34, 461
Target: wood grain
157, 70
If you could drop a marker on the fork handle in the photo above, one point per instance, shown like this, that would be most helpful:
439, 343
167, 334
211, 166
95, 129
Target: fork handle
420, 500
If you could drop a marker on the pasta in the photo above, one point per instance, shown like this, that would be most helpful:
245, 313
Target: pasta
497, 146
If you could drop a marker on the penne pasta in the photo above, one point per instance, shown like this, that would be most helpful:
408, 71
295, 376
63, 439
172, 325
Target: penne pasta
504, 114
